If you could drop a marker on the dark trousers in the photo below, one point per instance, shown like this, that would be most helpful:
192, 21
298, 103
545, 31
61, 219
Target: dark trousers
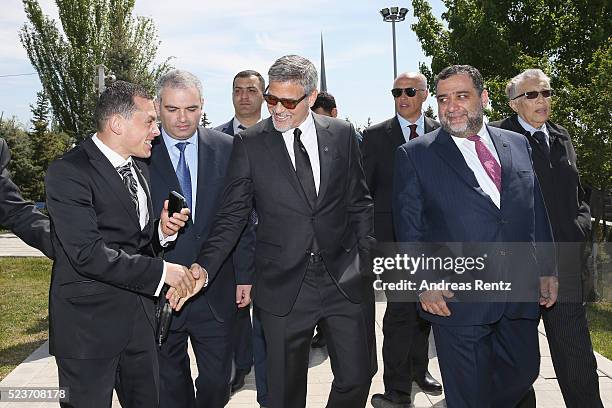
488, 366
259, 359
134, 373
405, 346
211, 341
344, 323
568, 337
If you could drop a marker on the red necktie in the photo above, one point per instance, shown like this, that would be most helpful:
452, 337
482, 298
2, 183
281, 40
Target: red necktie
488, 161
413, 132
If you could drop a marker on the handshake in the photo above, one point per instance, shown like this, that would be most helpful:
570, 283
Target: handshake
184, 283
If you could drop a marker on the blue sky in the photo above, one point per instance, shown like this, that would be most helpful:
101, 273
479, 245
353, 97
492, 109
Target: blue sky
216, 39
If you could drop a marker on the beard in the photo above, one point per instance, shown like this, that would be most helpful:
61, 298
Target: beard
471, 126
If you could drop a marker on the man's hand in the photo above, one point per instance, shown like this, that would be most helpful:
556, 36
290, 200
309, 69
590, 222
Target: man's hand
172, 223
549, 290
200, 275
243, 295
432, 301
179, 277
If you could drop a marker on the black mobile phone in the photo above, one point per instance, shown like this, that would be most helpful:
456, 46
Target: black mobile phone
176, 203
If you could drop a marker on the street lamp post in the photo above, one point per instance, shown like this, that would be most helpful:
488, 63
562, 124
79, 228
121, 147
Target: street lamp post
393, 15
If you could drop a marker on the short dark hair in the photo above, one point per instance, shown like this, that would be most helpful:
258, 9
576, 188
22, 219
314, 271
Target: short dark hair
324, 100
462, 69
118, 99
249, 73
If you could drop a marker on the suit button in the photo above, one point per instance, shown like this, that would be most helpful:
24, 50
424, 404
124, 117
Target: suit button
197, 237
502, 252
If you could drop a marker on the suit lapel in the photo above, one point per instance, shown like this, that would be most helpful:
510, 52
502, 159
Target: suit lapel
208, 169
109, 175
276, 145
395, 134
163, 165
326, 155
505, 156
445, 147
143, 178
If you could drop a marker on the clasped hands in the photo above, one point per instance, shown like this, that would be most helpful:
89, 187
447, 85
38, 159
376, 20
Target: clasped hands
184, 283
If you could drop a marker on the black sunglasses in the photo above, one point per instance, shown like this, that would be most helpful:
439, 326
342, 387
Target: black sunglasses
287, 103
397, 92
546, 93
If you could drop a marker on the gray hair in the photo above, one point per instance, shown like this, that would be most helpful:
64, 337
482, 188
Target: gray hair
413, 75
118, 99
180, 79
296, 69
528, 74
469, 70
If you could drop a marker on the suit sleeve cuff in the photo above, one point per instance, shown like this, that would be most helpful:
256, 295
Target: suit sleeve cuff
161, 282
165, 241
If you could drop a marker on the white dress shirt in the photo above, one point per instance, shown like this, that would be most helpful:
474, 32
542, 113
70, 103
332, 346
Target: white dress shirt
468, 150
310, 142
404, 123
143, 217
191, 157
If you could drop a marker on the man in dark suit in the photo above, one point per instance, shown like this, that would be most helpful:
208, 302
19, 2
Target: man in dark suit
208, 319
18, 215
554, 161
471, 184
302, 173
406, 335
249, 343
105, 279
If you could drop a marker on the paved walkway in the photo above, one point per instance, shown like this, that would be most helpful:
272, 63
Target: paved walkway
39, 370
10, 245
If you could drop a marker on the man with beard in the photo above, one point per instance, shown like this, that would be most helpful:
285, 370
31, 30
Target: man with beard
554, 160
302, 172
472, 184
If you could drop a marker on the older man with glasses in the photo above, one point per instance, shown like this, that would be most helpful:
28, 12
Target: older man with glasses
554, 161
302, 172
405, 344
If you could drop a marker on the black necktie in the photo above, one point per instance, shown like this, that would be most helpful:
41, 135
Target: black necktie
125, 172
541, 138
413, 132
303, 168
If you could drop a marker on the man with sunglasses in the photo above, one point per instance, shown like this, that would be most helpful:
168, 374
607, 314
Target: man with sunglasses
554, 161
405, 343
302, 171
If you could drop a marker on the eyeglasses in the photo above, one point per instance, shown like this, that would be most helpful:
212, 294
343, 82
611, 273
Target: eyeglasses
287, 103
546, 93
397, 92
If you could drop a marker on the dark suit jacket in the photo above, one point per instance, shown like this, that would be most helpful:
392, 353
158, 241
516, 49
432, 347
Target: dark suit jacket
100, 277
214, 149
227, 127
565, 200
437, 199
378, 149
261, 174
18, 215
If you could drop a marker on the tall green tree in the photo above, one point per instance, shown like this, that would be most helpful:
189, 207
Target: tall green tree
503, 37
91, 32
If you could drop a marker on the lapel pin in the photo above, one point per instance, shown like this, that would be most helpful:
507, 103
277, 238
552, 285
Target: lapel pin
325, 149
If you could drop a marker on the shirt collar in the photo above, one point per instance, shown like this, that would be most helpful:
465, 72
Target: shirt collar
170, 141
306, 126
530, 128
420, 122
115, 158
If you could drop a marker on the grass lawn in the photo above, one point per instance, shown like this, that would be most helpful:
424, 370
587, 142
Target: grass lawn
599, 316
24, 321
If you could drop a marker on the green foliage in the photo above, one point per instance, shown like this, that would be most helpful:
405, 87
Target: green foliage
92, 32
567, 39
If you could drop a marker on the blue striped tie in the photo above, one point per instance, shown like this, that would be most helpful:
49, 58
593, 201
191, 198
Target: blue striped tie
183, 174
